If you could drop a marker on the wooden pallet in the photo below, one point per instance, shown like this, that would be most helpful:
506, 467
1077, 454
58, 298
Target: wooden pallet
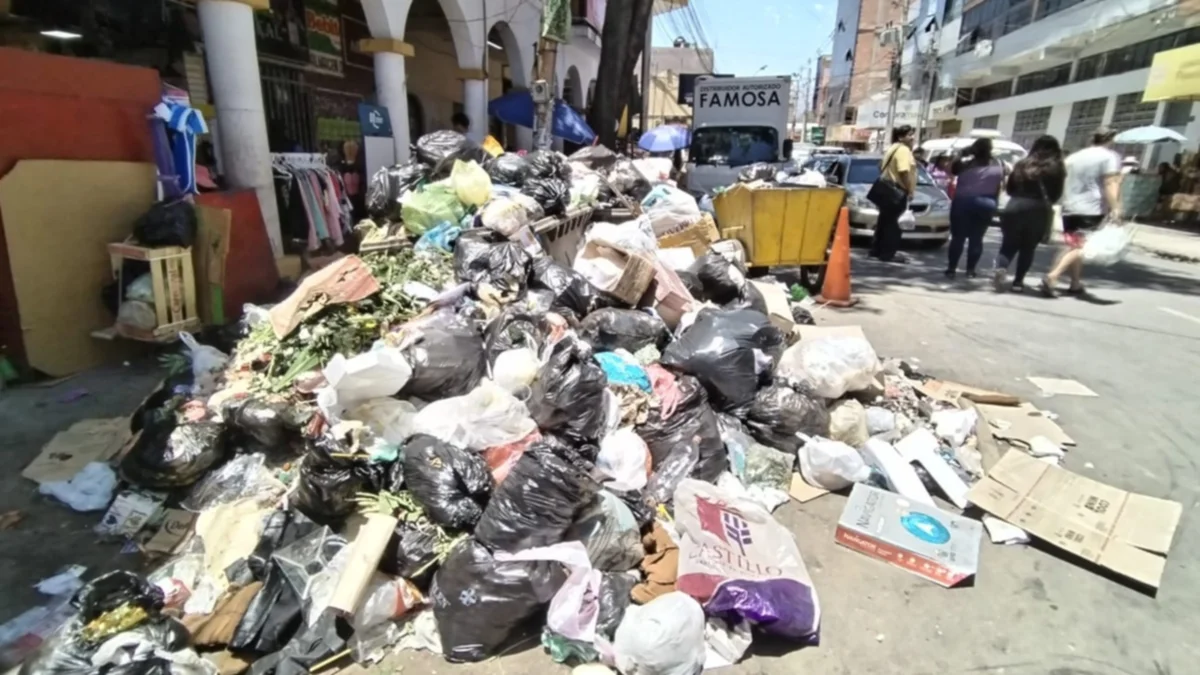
174, 283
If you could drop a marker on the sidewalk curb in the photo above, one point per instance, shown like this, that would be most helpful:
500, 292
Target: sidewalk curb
1167, 255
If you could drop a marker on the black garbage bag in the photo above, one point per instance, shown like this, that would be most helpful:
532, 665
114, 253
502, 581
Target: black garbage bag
391, 183
282, 528
692, 283
757, 171
611, 533
142, 650
538, 501
410, 552
326, 485
260, 424
778, 412
450, 483
720, 280
479, 602
508, 169
642, 507
470, 246
308, 647
750, 298
568, 395
272, 617
552, 194
109, 591
615, 597
802, 316
167, 455
167, 223
504, 266
629, 329
690, 432
547, 164
447, 359
63, 653
516, 327
719, 350
594, 157
438, 150
573, 294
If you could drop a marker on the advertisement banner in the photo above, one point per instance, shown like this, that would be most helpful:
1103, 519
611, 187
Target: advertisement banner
281, 32
324, 24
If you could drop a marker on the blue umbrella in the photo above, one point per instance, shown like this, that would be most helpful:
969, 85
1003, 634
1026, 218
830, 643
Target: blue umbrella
516, 107
667, 138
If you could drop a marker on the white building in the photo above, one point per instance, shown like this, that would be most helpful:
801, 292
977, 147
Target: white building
1062, 67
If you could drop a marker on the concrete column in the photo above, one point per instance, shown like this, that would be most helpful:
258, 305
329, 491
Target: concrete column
475, 101
391, 88
232, 57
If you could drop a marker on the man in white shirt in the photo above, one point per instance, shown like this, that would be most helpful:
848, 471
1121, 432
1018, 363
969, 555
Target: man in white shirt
1093, 188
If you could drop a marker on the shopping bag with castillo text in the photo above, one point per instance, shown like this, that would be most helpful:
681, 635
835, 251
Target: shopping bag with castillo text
741, 564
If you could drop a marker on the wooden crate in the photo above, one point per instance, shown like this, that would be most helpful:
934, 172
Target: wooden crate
174, 281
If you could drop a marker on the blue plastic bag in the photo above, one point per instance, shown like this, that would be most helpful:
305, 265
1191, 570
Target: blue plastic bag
622, 368
439, 237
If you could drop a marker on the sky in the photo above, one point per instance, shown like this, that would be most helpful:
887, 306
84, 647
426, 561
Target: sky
786, 36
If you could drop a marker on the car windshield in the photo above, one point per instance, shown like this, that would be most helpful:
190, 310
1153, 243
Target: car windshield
866, 171
734, 146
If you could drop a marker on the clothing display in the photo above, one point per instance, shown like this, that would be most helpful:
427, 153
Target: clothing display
314, 205
183, 124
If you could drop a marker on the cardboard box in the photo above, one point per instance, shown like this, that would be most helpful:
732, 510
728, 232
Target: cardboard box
1124, 532
698, 236
924, 540
636, 270
671, 298
778, 307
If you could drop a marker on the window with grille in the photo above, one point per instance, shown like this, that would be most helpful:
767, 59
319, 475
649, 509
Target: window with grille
1177, 114
1086, 117
986, 122
1029, 125
1128, 113
993, 92
1044, 79
1089, 68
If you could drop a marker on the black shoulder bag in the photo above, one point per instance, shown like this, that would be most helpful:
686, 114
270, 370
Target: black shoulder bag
885, 193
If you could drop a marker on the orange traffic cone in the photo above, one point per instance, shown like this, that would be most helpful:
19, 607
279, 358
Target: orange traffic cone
835, 292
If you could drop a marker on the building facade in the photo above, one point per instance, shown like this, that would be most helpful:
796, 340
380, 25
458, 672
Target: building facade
820, 94
1063, 67
859, 65
673, 71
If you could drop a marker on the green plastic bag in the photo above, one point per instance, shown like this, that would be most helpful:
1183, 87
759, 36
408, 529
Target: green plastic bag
424, 209
471, 183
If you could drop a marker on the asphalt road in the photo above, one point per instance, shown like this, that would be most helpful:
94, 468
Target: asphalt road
1030, 612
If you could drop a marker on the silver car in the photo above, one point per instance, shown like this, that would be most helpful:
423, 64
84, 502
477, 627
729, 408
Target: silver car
857, 173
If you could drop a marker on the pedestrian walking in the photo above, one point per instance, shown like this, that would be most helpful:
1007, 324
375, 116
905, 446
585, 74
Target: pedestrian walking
979, 180
892, 192
1092, 189
1033, 187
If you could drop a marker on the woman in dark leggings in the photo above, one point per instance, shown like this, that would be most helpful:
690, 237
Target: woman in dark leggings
1033, 187
978, 188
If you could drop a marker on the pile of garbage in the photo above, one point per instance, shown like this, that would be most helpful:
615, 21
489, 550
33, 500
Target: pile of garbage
457, 443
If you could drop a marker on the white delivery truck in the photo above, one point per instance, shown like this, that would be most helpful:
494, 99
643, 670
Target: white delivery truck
736, 121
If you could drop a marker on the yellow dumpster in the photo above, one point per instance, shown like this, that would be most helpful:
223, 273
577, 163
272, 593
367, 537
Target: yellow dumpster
780, 225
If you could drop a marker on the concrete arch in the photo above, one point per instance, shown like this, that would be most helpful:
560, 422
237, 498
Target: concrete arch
523, 20
573, 92
517, 65
389, 19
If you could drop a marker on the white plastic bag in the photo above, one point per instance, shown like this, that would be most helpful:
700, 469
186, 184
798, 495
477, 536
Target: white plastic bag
142, 289
831, 465
622, 457
848, 423
89, 490
662, 637
725, 643
585, 189
485, 417
504, 216
137, 314
471, 183
670, 209
207, 364
908, 220
830, 366
375, 374
515, 370
1109, 244
388, 418
880, 420
635, 235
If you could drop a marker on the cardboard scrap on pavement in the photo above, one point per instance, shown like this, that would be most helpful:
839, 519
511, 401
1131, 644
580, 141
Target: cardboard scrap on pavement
92, 440
922, 539
1124, 532
802, 491
1052, 386
951, 392
1022, 424
342, 281
176, 526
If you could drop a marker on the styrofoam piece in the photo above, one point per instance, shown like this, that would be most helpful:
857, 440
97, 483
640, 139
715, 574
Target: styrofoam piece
900, 475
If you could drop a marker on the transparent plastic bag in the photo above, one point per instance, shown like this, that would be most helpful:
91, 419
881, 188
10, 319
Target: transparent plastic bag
471, 183
1109, 244
624, 458
504, 216
436, 203
243, 476
670, 209
207, 364
487, 416
386, 599
663, 637
830, 366
831, 465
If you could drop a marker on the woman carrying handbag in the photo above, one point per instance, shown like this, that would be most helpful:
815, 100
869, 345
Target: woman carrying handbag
891, 193
1033, 187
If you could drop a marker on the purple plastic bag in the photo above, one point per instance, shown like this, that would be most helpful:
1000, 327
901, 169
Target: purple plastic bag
741, 564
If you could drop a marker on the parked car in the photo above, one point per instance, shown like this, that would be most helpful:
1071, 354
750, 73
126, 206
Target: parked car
856, 173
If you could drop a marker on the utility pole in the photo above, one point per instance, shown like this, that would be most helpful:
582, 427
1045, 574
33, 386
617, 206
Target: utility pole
894, 72
543, 94
929, 69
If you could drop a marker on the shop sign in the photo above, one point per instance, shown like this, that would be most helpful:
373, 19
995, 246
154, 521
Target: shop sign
374, 120
281, 32
324, 24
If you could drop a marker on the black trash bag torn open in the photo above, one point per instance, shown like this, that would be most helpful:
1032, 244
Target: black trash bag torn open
451, 484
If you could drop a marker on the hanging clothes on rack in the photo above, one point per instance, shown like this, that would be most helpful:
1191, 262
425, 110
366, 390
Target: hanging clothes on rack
183, 123
312, 200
